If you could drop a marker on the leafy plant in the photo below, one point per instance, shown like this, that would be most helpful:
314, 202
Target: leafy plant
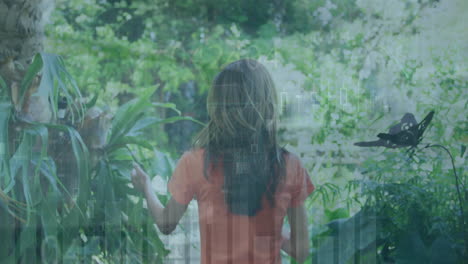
98, 217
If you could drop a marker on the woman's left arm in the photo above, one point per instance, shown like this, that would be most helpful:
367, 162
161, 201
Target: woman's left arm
166, 218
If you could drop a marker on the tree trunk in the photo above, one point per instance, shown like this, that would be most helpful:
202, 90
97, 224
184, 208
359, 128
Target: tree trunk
21, 34
21, 38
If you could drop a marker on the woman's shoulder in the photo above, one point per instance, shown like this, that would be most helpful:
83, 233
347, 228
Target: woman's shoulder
192, 154
290, 157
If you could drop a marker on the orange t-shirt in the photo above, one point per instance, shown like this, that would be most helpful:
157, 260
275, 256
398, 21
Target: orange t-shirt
230, 238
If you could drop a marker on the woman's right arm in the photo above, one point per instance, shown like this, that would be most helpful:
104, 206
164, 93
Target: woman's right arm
297, 246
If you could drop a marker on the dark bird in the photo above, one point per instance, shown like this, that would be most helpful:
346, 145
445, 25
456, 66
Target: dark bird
407, 133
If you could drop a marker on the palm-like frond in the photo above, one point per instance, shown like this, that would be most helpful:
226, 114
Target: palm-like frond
30, 186
55, 81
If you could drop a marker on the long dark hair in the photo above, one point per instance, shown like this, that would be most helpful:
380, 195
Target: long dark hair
241, 135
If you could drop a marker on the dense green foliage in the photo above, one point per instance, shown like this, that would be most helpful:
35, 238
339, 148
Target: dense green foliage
94, 218
345, 71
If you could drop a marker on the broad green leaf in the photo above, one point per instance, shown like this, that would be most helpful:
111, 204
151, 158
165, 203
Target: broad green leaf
142, 124
51, 249
5, 176
20, 164
162, 164
55, 80
27, 238
81, 154
336, 214
352, 235
167, 105
31, 73
179, 118
128, 114
48, 214
43, 134
2, 203
93, 101
48, 170
119, 155
3, 86
130, 140
150, 121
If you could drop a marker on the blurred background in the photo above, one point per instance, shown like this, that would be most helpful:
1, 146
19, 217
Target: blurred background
131, 84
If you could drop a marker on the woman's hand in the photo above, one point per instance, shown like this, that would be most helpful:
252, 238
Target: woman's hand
140, 179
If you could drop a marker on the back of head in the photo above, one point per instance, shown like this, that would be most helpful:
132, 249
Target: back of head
241, 135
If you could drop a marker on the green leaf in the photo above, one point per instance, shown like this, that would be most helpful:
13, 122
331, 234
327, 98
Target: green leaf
336, 214
48, 170
27, 238
5, 114
167, 105
130, 140
142, 124
3, 84
150, 121
128, 114
43, 133
345, 232
93, 101
179, 118
48, 213
31, 73
3, 204
20, 163
55, 80
81, 154
51, 249
162, 164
